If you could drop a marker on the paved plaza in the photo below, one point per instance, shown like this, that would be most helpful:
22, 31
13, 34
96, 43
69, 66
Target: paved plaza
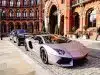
15, 62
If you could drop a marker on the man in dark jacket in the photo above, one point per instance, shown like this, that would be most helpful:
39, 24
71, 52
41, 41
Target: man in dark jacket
98, 33
1, 37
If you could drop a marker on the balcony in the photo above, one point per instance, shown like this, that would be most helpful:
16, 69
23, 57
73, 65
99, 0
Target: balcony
20, 18
78, 2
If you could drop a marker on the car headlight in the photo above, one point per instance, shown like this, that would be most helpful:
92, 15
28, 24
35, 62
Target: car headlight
59, 51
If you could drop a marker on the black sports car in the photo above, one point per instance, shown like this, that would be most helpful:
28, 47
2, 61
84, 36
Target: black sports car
19, 36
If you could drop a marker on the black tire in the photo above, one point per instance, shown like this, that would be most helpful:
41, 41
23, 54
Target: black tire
26, 46
44, 56
18, 43
10, 39
14, 42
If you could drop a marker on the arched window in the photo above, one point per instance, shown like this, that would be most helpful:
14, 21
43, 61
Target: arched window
18, 13
37, 1
31, 2
3, 14
91, 17
3, 2
31, 13
76, 20
11, 13
18, 3
24, 13
25, 2
11, 2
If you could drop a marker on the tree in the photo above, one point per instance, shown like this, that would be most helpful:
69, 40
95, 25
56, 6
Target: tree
43, 28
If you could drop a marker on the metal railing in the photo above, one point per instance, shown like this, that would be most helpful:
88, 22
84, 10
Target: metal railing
78, 2
18, 18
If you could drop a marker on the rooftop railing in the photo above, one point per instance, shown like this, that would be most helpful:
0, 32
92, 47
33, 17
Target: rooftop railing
78, 2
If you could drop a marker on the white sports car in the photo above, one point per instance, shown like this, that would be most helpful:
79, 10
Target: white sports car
56, 50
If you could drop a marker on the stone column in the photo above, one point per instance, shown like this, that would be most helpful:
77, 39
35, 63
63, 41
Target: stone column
59, 18
7, 28
46, 23
68, 17
82, 18
98, 17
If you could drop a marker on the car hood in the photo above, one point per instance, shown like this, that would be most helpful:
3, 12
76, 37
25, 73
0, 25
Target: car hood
74, 48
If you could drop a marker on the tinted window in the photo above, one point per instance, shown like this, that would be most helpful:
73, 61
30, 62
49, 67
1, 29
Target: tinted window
39, 39
54, 39
21, 31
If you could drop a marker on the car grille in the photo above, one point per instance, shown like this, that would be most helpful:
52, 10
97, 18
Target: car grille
79, 61
64, 60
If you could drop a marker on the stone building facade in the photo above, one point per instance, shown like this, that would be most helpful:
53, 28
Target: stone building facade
86, 13
71, 13
19, 14
57, 15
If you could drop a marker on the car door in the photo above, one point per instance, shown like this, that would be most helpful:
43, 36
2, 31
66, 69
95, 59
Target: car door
38, 44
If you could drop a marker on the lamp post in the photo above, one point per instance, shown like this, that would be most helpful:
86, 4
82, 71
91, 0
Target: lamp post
0, 23
82, 16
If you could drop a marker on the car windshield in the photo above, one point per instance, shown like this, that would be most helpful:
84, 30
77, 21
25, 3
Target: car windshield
21, 31
52, 39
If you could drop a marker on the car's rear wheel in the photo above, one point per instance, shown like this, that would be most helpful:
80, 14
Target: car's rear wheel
10, 38
18, 43
44, 56
14, 42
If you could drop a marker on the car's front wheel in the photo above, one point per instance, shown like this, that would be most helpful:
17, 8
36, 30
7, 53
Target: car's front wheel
44, 56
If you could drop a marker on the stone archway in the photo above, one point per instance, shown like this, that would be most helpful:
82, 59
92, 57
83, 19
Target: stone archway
76, 20
17, 25
3, 27
10, 26
30, 27
53, 19
62, 25
91, 18
36, 27
24, 25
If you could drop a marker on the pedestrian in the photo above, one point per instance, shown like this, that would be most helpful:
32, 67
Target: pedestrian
1, 37
98, 33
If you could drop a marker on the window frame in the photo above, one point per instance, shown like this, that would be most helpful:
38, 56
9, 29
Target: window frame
11, 3
39, 39
4, 2
18, 13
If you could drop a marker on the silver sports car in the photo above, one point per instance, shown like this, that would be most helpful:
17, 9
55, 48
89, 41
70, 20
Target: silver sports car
56, 50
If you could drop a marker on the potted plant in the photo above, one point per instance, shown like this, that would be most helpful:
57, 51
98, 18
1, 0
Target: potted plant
85, 35
73, 32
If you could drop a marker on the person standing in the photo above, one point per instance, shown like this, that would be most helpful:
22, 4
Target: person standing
98, 33
1, 37
1, 32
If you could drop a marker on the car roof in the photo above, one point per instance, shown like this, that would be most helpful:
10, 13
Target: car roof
44, 34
